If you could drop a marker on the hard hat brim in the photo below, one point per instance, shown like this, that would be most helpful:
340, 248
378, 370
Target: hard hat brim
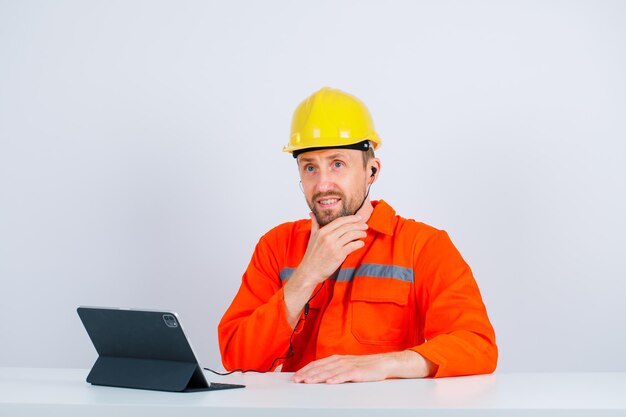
363, 145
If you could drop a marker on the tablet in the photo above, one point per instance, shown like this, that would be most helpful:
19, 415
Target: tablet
143, 349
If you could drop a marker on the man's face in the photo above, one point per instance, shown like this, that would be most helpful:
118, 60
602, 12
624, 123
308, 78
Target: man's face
334, 182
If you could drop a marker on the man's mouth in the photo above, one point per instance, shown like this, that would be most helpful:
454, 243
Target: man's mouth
325, 202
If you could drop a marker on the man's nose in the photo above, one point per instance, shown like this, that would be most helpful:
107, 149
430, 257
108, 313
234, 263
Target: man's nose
324, 182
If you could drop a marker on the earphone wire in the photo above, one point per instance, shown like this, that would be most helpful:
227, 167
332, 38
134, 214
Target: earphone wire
291, 351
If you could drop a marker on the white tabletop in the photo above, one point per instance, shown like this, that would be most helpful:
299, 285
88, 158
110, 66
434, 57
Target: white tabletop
64, 392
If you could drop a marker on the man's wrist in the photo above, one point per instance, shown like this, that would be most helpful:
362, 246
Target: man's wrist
296, 292
300, 283
410, 364
305, 278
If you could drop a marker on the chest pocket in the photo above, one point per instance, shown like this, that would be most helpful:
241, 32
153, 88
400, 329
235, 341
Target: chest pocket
380, 310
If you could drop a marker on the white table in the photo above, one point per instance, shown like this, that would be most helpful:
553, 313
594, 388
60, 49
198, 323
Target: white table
64, 392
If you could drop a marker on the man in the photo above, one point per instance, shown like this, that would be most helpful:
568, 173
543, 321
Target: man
356, 293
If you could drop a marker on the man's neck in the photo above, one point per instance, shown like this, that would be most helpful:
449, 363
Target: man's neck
366, 211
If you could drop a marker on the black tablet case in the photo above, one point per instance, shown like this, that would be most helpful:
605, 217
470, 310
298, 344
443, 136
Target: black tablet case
137, 349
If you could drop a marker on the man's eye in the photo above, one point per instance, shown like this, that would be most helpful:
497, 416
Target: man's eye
309, 168
338, 164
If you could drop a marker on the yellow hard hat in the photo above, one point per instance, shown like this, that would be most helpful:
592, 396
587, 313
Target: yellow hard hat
331, 118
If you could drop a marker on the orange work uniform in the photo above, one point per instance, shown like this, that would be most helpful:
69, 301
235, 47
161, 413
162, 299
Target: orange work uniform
407, 288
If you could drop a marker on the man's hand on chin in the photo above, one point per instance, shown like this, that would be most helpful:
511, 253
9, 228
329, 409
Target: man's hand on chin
362, 368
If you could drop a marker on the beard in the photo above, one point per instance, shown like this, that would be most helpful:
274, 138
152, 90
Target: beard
349, 206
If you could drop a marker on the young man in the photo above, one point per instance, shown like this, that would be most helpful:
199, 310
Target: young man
356, 292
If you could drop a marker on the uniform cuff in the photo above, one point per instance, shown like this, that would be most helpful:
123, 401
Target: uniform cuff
432, 355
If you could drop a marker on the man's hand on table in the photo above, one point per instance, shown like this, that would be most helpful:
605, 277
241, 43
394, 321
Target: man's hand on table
362, 368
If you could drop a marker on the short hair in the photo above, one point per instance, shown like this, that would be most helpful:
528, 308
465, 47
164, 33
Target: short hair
367, 156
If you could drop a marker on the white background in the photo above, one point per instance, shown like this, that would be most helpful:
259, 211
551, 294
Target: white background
140, 157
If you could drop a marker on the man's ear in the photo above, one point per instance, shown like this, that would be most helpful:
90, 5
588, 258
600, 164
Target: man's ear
374, 169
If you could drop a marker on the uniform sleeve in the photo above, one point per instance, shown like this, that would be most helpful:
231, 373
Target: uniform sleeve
459, 337
254, 330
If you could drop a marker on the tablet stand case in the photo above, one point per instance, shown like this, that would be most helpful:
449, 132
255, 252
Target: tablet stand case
138, 349
150, 374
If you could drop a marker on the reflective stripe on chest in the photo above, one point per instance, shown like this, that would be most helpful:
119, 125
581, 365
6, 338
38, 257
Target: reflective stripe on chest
365, 270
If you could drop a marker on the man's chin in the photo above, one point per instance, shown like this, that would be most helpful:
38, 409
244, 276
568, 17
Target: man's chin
323, 220
327, 216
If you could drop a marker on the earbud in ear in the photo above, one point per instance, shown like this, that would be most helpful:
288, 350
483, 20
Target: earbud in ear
373, 171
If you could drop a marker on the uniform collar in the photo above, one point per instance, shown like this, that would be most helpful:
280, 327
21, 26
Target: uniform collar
383, 218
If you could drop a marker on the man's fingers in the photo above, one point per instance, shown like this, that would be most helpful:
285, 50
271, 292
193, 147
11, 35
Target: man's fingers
319, 371
341, 234
319, 362
344, 245
351, 236
338, 233
353, 246
340, 221
337, 369
325, 376
332, 370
